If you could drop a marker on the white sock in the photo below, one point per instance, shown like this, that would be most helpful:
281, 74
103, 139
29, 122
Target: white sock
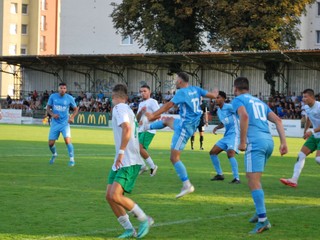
186, 183
150, 162
125, 222
138, 213
298, 166
72, 159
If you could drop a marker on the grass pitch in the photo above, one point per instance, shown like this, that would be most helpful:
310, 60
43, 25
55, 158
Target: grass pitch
42, 201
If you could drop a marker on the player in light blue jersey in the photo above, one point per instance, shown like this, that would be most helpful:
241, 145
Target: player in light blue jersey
230, 140
58, 107
188, 99
256, 140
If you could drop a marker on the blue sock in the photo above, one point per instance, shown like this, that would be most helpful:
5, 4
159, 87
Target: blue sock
216, 163
181, 171
70, 150
157, 125
258, 199
53, 149
234, 167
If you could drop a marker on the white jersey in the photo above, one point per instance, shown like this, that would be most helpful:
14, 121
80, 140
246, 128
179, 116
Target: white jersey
152, 106
122, 113
313, 113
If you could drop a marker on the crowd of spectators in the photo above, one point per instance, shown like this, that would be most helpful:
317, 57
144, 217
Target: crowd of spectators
285, 106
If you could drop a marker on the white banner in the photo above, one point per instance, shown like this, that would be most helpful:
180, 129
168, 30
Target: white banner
11, 116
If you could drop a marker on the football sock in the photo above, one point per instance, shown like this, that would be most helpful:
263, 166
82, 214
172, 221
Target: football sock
299, 165
181, 171
125, 222
192, 141
258, 199
53, 149
234, 167
70, 151
138, 213
201, 141
216, 164
150, 162
157, 125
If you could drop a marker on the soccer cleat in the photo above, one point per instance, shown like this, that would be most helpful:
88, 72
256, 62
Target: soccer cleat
261, 226
129, 233
153, 171
53, 158
218, 177
71, 163
185, 191
143, 169
235, 181
288, 182
144, 227
192, 148
254, 218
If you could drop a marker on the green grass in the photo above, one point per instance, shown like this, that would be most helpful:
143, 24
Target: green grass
39, 201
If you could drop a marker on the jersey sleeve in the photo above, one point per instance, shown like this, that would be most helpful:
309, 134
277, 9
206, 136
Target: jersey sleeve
178, 97
72, 102
202, 92
155, 106
121, 115
236, 103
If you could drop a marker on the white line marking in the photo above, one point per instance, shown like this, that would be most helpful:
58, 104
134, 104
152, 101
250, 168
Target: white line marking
105, 231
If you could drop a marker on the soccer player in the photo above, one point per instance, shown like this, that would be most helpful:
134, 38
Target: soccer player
126, 166
203, 122
147, 105
188, 99
312, 110
256, 140
230, 140
58, 107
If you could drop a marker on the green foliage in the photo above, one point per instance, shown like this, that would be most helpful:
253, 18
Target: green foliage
182, 25
42, 201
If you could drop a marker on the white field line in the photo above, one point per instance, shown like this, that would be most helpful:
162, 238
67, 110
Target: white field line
183, 221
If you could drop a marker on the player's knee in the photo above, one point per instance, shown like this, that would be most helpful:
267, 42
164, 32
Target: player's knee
318, 159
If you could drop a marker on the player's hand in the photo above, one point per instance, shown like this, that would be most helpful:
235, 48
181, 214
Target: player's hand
242, 147
71, 120
143, 109
119, 161
283, 149
214, 131
55, 116
215, 92
207, 124
307, 135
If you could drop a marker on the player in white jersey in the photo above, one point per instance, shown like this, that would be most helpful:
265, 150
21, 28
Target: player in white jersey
312, 110
126, 166
145, 137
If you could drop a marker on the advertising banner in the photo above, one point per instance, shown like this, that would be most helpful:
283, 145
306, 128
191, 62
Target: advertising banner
92, 119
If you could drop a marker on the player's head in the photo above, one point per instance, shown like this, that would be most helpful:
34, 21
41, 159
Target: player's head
119, 94
308, 96
221, 98
62, 88
182, 80
145, 92
240, 85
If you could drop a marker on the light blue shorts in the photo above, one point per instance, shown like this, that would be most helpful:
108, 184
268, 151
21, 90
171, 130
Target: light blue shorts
56, 129
257, 154
229, 142
181, 134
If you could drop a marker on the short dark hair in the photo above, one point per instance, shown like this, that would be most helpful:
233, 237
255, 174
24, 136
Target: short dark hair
242, 83
120, 90
309, 91
184, 76
223, 94
145, 86
62, 84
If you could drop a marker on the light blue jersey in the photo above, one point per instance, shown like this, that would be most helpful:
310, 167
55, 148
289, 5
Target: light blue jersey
227, 116
258, 116
188, 100
60, 105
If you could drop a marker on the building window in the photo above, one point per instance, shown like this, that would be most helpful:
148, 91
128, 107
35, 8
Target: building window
23, 50
318, 37
14, 8
43, 5
12, 49
13, 29
127, 40
24, 29
42, 43
24, 9
43, 23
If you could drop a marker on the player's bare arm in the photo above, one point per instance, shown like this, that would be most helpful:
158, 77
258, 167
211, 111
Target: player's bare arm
139, 114
306, 133
244, 123
156, 115
272, 117
49, 111
213, 94
72, 116
125, 137
219, 126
